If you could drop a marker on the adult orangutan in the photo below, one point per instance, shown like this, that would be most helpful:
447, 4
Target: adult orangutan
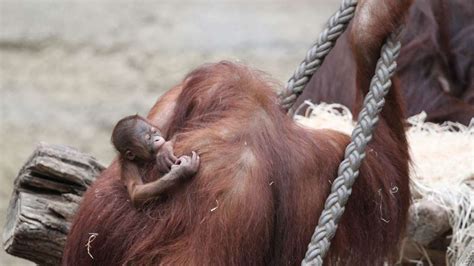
263, 179
436, 64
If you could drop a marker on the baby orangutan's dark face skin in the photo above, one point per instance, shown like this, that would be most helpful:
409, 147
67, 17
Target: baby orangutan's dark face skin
136, 139
146, 138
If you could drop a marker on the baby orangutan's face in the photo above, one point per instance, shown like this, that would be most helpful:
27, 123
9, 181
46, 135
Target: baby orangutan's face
147, 140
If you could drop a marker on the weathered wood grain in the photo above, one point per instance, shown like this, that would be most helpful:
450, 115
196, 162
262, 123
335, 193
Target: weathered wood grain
47, 192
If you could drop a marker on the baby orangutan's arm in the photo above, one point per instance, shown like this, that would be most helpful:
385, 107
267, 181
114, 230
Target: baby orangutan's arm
185, 167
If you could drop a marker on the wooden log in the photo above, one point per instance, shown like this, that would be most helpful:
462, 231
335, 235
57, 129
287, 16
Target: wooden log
49, 187
46, 194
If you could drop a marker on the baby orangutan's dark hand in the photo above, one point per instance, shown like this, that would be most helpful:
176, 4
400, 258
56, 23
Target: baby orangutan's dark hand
165, 157
186, 166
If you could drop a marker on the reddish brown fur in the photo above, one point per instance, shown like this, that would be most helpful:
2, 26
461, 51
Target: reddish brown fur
436, 55
261, 186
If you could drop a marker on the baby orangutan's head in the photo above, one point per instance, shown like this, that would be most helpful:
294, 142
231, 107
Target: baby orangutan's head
136, 139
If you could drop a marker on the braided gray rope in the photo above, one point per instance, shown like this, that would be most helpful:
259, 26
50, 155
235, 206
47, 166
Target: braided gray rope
354, 154
316, 54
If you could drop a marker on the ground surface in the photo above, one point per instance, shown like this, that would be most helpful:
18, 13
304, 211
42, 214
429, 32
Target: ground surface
70, 69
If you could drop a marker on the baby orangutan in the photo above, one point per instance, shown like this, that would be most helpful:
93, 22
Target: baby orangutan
138, 143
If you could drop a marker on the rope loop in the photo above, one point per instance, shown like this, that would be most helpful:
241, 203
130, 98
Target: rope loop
348, 170
373, 103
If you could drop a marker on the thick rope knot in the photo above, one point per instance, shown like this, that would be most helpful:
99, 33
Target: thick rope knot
316, 54
348, 170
